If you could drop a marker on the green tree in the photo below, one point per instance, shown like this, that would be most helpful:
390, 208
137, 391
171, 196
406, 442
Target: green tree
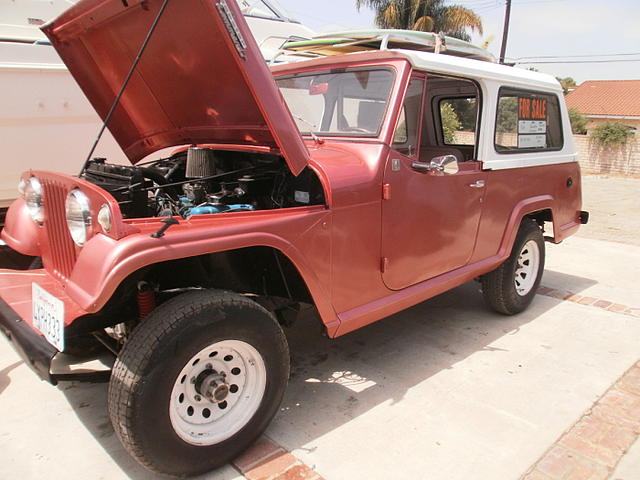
450, 122
567, 83
507, 121
612, 134
578, 122
465, 110
425, 16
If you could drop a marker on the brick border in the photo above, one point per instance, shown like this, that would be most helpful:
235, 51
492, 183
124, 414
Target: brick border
266, 460
590, 449
594, 445
589, 301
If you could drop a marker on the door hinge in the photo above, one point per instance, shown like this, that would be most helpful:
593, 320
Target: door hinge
384, 264
386, 191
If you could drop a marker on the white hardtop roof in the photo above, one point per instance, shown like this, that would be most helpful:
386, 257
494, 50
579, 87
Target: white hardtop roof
448, 64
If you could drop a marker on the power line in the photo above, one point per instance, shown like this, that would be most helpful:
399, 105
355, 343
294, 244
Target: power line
485, 10
481, 4
578, 56
577, 61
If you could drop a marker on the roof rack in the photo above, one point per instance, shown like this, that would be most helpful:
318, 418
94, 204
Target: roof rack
337, 43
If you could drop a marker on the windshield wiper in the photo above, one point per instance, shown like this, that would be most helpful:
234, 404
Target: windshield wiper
318, 140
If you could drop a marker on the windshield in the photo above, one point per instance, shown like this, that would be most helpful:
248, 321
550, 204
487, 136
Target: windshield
347, 103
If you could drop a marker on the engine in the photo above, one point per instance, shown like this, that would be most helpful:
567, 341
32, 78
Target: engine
202, 181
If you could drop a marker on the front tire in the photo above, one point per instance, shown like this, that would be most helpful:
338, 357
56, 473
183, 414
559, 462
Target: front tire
510, 288
198, 381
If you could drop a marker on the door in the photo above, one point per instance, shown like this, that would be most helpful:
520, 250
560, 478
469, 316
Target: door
429, 220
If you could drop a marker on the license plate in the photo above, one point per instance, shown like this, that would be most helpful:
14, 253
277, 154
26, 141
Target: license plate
48, 316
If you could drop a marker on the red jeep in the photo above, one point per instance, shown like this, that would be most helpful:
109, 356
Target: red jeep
360, 184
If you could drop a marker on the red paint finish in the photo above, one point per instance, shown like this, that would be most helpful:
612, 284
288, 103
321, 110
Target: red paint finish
385, 240
16, 287
190, 61
429, 225
20, 231
302, 234
507, 199
338, 251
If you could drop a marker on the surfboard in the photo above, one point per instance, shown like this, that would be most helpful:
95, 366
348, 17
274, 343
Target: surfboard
336, 43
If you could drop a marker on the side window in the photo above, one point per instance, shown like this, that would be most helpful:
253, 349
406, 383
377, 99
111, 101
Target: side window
527, 121
458, 118
401, 135
405, 137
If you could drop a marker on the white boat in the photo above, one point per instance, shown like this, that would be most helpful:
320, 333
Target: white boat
45, 120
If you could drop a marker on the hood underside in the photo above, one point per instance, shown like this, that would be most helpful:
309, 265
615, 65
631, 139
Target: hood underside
201, 78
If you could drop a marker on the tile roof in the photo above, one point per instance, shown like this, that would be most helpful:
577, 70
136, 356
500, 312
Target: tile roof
606, 97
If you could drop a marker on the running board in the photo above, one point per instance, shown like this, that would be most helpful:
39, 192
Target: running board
94, 369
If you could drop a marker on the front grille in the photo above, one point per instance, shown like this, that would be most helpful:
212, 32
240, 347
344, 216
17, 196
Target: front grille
60, 256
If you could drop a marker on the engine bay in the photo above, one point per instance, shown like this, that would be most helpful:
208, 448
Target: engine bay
201, 181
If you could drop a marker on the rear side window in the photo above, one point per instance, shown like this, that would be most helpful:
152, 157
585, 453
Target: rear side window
527, 121
458, 120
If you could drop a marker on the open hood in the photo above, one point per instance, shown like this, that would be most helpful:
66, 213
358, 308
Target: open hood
201, 78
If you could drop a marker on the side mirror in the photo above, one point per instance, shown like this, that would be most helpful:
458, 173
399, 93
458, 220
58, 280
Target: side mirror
444, 165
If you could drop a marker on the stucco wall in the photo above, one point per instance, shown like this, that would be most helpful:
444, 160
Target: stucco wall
624, 160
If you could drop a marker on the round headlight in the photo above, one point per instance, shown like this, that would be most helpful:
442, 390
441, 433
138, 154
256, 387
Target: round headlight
33, 199
78, 216
104, 218
21, 186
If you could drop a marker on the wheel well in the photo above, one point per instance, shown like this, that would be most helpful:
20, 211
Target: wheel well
541, 217
263, 273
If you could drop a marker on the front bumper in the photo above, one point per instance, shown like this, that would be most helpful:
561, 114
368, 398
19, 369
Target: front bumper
33, 348
16, 313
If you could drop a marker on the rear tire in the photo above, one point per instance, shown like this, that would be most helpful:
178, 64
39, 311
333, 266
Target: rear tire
510, 288
198, 381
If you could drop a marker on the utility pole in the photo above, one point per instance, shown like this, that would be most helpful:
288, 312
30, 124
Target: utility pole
505, 31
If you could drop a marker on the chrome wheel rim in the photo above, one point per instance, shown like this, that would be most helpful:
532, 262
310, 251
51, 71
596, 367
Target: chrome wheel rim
527, 267
217, 392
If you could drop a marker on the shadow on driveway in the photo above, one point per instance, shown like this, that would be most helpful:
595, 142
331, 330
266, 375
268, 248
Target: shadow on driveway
356, 372
5, 380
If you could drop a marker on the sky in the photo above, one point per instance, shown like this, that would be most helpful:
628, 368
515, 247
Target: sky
537, 28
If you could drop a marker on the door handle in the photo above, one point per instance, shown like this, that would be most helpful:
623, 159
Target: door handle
478, 184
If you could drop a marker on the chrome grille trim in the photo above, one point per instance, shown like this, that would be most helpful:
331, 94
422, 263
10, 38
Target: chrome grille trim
61, 255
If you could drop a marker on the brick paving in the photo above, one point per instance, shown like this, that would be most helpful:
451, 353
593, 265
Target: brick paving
593, 446
589, 450
266, 460
589, 301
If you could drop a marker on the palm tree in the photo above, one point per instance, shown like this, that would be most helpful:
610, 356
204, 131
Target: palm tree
425, 16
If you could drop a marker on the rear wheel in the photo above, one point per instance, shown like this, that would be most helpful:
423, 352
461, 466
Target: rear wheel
198, 381
510, 288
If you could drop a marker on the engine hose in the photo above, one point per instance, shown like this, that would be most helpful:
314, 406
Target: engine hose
159, 178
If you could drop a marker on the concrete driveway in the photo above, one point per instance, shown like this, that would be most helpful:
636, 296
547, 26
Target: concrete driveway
445, 390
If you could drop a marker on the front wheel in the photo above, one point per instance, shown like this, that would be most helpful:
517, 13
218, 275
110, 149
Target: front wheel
198, 381
510, 288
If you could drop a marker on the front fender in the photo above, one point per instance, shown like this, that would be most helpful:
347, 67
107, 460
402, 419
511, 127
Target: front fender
104, 262
20, 232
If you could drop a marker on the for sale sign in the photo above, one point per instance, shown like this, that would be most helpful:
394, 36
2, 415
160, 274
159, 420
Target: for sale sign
532, 122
